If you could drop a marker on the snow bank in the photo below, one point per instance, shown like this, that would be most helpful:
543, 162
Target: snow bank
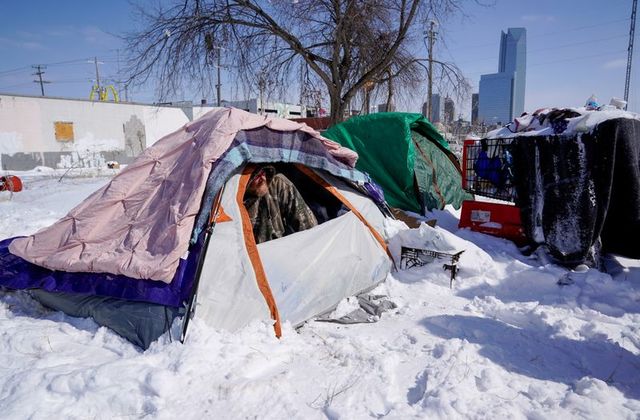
505, 342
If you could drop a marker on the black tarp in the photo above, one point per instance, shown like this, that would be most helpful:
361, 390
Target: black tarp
139, 322
577, 190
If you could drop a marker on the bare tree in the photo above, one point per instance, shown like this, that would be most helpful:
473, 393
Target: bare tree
449, 79
343, 46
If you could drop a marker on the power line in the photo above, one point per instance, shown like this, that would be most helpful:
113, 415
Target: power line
578, 58
18, 85
591, 41
15, 70
109, 59
84, 60
71, 81
74, 61
59, 81
579, 28
573, 44
599, 25
558, 61
538, 50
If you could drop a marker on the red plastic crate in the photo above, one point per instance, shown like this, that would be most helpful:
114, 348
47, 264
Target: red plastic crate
502, 220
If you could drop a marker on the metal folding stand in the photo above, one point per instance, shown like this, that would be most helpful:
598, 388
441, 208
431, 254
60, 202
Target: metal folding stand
416, 257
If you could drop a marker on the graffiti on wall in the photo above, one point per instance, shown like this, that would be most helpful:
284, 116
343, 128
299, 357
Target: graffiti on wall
134, 136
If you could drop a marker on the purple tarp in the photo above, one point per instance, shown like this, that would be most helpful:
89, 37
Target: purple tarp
16, 273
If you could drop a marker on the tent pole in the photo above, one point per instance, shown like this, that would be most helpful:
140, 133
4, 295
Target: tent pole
191, 304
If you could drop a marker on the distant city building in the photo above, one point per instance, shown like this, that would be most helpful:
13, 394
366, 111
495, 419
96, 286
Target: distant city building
384, 108
474, 108
276, 109
449, 110
437, 108
501, 95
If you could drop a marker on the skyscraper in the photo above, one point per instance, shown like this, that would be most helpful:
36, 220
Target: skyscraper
437, 108
474, 108
501, 96
425, 107
449, 110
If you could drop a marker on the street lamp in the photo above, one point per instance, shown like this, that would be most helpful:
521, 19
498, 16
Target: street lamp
430, 37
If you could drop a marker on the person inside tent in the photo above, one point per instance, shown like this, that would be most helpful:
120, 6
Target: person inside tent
275, 206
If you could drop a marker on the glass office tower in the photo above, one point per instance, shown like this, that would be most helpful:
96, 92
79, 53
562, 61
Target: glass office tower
437, 108
474, 108
501, 95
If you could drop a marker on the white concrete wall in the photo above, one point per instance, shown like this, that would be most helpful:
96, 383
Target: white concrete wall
27, 128
160, 121
199, 111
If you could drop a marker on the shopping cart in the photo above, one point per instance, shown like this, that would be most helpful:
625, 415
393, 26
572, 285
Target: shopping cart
487, 171
487, 168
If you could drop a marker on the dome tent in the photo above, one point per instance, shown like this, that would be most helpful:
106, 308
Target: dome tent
171, 227
406, 156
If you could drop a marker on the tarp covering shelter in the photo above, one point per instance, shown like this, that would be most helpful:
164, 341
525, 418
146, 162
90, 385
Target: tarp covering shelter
581, 191
172, 226
406, 156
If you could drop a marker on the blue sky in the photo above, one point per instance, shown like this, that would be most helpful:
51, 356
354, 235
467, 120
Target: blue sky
574, 48
64, 35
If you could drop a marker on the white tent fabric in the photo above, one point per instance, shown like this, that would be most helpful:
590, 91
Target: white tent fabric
228, 295
323, 265
310, 272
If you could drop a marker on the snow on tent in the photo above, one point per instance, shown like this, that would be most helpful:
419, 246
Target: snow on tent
406, 156
134, 253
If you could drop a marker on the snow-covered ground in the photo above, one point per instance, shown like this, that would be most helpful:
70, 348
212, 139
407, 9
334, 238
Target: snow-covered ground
505, 342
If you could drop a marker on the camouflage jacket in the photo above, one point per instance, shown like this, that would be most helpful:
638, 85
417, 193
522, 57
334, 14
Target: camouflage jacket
281, 212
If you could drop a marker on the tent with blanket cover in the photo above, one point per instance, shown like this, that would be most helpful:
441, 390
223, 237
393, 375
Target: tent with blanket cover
171, 230
406, 156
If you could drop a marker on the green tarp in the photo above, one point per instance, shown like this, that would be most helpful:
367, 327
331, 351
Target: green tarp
406, 156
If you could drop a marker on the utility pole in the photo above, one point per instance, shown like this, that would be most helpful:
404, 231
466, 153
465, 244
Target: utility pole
431, 37
95, 61
218, 85
261, 85
218, 66
302, 90
632, 31
39, 73
367, 101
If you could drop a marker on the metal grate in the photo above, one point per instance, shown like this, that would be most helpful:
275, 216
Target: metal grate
487, 168
416, 257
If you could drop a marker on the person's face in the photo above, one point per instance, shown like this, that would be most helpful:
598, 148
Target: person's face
258, 187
